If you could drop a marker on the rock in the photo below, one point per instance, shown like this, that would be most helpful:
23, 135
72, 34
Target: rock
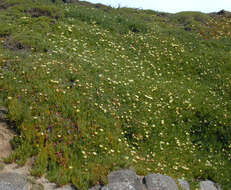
37, 187
221, 12
207, 185
187, 28
97, 187
119, 186
125, 177
33, 185
12, 181
122, 176
219, 187
66, 187
183, 184
159, 182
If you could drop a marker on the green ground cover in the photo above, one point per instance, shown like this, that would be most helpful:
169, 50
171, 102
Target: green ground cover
91, 89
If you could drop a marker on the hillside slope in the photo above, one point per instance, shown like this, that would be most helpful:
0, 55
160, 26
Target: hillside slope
91, 89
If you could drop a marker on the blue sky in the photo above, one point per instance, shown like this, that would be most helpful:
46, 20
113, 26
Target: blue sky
171, 6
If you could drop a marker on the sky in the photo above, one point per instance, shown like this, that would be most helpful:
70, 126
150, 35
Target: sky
171, 6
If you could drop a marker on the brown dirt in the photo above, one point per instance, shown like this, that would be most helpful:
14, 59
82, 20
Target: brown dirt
13, 44
5, 5
38, 12
5, 136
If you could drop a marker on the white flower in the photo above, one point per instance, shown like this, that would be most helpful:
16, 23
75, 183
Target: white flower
149, 97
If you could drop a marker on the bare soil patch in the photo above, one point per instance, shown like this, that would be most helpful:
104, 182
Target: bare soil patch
37, 12
5, 136
5, 5
14, 45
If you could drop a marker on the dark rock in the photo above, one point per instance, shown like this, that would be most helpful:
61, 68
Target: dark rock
14, 45
221, 12
184, 184
160, 182
187, 28
12, 181
38, 12
207, 185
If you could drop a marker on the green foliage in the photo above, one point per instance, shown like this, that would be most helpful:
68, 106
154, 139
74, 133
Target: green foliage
92, 89
191, 17
40, 163
211, 133
45, 11
1, 166
109, 20
16, 111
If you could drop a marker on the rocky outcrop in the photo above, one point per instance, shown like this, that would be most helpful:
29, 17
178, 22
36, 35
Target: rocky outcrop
124, 179
208, 185
12, 181
160, 182
14, 178
128, 180
117, 180
97, 187
183, 184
